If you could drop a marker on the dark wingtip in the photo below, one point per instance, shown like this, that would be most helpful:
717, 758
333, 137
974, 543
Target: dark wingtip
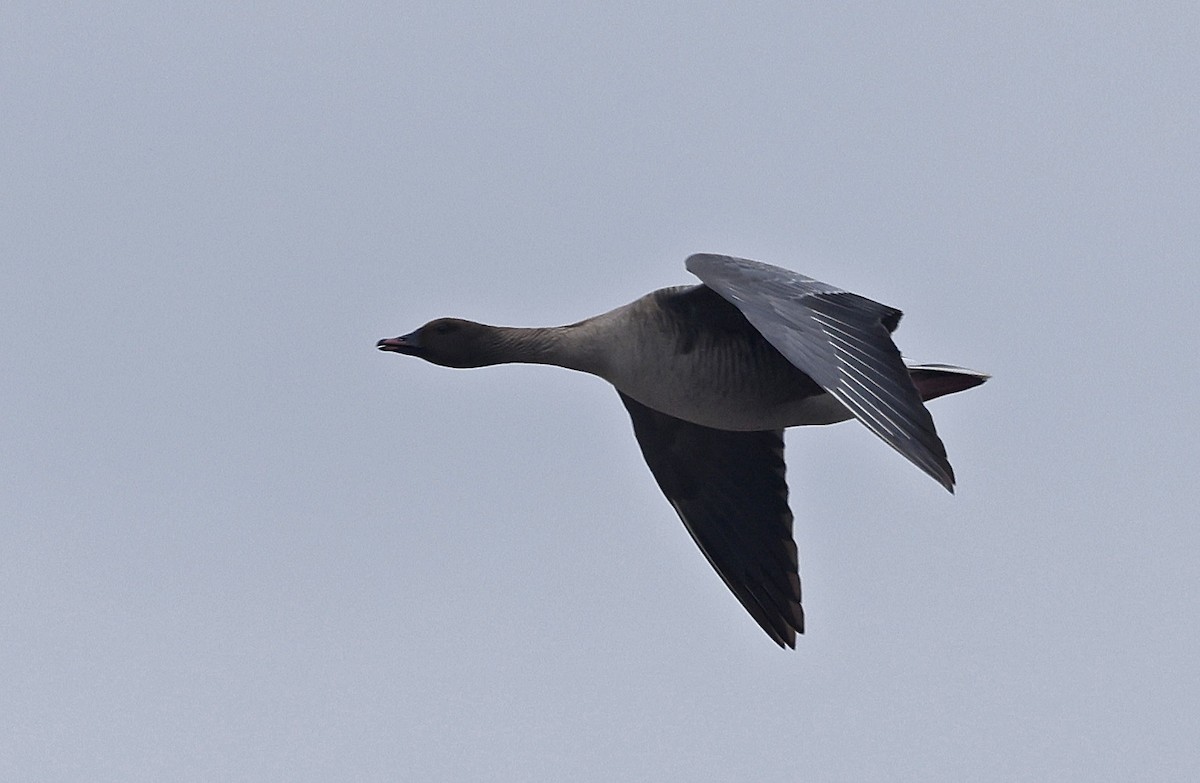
946, 478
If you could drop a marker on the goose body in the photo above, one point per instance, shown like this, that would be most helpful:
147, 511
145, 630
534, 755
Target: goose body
711, 375
695, 357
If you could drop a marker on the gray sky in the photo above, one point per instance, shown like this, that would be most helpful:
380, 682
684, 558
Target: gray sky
240, 544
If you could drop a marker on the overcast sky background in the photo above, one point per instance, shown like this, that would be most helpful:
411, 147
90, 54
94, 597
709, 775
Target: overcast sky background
237, 543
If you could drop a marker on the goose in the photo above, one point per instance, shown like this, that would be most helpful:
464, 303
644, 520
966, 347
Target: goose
711, 375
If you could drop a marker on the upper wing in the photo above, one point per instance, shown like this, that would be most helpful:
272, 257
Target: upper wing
842, 341
729, 489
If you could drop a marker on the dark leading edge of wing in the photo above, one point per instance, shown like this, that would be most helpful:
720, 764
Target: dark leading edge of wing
730, 491
842, 341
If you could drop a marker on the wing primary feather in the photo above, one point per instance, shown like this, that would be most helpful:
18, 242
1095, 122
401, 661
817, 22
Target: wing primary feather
730, 491
842, 341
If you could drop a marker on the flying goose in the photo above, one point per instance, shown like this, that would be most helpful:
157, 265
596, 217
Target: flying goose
711, 375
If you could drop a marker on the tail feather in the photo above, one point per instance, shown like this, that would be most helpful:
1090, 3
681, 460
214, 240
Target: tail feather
936, 380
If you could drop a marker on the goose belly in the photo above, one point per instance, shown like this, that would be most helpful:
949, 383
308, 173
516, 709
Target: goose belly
729, 395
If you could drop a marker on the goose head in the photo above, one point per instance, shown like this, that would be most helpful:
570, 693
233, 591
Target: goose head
450, 342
